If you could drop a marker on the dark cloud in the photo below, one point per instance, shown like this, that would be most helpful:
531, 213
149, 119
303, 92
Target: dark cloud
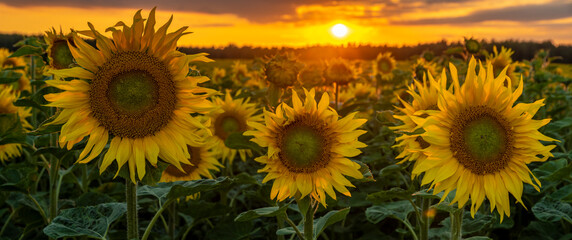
254, 10
525, 13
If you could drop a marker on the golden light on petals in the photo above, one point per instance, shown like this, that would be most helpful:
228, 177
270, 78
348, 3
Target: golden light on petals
480, 142
132, 89
308, 149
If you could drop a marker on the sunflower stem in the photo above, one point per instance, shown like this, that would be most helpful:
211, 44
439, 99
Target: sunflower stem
280, 223
424, 230
309, 224
456, 224
172, 219
293, 225
54, 187
156, 217
337, 92
131, 199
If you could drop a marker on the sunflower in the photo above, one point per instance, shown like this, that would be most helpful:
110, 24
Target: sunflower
282, 70
384, 64
217, 75
414, 114
423, 67
202, 162
501, 60
58, 52
18, 65
7, 98
311, 75
239, 73
308, 149
338, 71
232, 117
134, 90
472, 46
480, 143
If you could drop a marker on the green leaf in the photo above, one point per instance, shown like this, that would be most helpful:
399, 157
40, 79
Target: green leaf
303, 205
11, 130
18, 177
551, 210
26, 50
564, 193
330, 218
8, 76
386, 195
27, 102
231, 230
179, 189
479, 238
365, 171
261, 212
398, 210
91, 221
238, 141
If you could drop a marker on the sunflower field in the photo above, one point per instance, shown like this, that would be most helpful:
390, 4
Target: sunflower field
112, 133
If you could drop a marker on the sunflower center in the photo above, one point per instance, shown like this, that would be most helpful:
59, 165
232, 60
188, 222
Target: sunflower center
133, 94
227, 123
304, 145
384, 66
195, 159
482, 140
61, 54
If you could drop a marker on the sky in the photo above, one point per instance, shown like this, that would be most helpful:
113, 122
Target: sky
299, 23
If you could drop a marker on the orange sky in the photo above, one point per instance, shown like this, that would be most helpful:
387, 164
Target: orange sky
395, 22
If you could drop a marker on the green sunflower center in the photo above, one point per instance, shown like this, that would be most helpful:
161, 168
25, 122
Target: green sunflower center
482, 140
384, 66
304, 146
133, 91
133, 94
229, 122
472, 46
61, 55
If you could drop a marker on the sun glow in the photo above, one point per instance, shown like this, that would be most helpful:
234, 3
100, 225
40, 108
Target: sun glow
339, 30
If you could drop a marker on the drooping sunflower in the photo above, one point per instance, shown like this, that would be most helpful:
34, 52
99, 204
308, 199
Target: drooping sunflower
233, 116
480, 142
7, 98
308, 149
338, 71
312, 75
18, 65
384, 64
413, 115
134, 90
282, 70
202, 162
59, 54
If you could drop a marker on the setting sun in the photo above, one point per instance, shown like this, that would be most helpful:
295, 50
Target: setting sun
339, 30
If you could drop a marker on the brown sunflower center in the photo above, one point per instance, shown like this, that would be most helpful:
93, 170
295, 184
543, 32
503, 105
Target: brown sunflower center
61, 54
481, 140
133, 94
305, 146
196, 159
229, 122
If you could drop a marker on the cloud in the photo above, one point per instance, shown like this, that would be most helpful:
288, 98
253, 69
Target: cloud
524, 13
255, 10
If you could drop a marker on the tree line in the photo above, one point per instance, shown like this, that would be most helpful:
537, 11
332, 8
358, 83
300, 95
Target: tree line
523, 50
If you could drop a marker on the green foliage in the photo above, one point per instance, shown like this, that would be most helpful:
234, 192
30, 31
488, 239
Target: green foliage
93, 221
